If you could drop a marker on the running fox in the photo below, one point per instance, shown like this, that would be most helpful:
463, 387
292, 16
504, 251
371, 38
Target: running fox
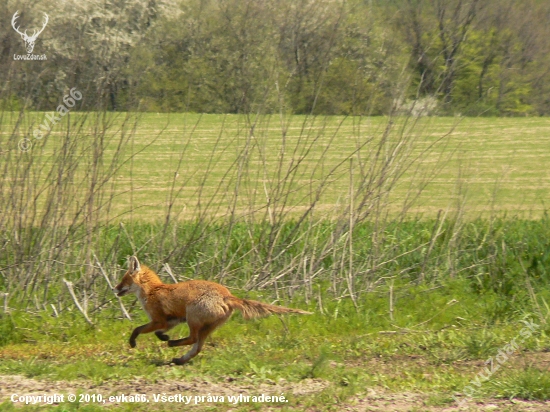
202, 304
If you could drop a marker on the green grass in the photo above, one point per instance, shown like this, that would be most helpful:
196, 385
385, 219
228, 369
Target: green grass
350, 349
531, 383
487, 164
491, 163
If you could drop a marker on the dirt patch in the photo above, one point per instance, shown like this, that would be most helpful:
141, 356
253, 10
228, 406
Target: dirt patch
408, 402
373, 401
195, 392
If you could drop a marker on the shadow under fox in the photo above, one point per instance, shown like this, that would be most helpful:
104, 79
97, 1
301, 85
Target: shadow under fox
202, 304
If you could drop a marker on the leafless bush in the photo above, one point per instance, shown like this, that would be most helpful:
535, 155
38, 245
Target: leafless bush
261, 221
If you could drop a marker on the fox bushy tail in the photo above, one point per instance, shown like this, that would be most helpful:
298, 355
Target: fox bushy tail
254, 309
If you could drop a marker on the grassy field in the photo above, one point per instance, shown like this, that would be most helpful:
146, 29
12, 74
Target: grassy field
485, 164
420, 245
433, 349
225, 163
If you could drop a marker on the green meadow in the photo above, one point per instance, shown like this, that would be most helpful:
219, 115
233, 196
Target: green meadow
487, 164
224, 162
421, 245
491, 164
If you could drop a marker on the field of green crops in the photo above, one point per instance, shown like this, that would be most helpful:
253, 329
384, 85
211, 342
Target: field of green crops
191, 162
486, 164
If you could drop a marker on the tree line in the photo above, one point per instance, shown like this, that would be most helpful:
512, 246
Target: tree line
353, 57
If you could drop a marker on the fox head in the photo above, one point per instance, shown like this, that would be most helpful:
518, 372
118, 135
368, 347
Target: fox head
130, 281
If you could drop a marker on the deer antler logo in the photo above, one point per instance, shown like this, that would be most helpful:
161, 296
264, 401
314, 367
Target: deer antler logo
29, 40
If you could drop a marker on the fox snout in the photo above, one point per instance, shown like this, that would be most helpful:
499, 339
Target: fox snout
121, 290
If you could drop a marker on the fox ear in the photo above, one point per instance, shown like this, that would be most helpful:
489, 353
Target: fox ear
133, 264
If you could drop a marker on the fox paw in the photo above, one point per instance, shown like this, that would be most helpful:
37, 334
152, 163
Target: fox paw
162, 336
179, 361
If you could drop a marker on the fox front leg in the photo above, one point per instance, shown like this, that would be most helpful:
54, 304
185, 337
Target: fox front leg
162, 336
134, 335
149, 327
171, 322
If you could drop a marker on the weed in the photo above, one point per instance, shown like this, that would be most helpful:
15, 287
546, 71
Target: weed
530, 384
8, 331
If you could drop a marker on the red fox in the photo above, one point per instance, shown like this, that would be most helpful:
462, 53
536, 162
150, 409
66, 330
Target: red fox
202, 304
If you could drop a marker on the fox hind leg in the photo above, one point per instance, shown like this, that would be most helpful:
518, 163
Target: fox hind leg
203, 317
191, 339
198, 342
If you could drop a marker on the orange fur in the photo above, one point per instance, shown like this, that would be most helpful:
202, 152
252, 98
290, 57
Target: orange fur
202, 304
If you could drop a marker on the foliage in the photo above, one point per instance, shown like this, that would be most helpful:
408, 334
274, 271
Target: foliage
321, 57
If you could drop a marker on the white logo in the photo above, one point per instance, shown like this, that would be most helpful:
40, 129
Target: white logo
29, 40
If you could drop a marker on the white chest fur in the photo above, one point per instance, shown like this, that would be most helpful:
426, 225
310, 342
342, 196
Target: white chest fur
143, 300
